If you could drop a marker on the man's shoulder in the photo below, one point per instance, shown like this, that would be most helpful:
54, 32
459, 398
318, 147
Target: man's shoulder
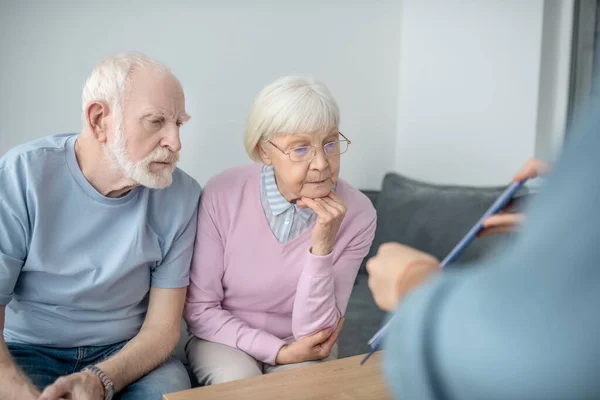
184, 183
36, 151
170, 209
181, 196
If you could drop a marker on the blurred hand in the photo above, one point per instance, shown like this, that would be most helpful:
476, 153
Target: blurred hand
330, 212
310, 348
78, 386
507, 221
396, 270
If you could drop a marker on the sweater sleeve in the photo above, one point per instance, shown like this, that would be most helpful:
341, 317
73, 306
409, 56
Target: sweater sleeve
204, 315
523, 325
325, 286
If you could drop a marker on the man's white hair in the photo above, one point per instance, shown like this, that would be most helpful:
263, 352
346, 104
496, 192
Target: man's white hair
289, 105
111, 79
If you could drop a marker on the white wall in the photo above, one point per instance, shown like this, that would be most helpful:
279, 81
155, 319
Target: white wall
554, 77
448, 91
475, 95
224, 52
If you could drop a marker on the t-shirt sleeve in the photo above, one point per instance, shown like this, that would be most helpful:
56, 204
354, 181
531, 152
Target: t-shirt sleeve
14, 227
174, 270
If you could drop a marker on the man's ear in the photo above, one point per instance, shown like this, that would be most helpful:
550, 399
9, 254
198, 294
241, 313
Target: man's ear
263, 154
96, 115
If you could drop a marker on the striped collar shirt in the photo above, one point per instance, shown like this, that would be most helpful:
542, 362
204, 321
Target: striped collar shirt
287, 220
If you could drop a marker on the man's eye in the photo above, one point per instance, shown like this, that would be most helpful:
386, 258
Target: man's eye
179, 123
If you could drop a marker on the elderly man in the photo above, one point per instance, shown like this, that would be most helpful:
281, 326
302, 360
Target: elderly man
96, 237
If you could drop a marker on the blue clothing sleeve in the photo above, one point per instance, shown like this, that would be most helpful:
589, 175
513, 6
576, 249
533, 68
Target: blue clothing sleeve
174, 270
525, 324
14, 228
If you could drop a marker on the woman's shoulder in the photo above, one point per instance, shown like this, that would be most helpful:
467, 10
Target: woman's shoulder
232, 180
357, 203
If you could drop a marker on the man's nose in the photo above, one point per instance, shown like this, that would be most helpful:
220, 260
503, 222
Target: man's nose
172, 139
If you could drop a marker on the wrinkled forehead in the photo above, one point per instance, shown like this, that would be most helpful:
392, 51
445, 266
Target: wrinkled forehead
153, 89
317, 136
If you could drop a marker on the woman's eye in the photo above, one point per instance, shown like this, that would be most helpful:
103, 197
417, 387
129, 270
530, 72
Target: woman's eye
330, 146
301, 150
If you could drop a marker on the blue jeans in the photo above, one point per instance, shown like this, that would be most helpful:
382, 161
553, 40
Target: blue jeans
43, 365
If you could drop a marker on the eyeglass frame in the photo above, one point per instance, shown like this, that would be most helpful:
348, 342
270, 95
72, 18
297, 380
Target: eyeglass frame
314, 153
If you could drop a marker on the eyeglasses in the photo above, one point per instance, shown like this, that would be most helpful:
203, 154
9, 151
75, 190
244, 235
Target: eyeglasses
307, 153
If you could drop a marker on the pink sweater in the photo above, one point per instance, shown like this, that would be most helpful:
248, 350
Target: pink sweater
249, 291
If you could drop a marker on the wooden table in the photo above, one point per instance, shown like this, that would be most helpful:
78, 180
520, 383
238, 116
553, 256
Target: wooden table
339, 379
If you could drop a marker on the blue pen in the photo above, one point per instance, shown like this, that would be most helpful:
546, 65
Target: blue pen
498, 205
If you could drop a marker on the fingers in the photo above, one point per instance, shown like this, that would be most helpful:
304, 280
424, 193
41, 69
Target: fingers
372, 262
325, 208
319, 337
336, 334
332, 200
504, 220
316, 206
301, 204
324, 350
532, 169
395, 270
334, 205
497, 230
60, 388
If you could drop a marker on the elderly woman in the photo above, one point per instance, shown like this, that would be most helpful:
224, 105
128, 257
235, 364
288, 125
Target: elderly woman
279, 243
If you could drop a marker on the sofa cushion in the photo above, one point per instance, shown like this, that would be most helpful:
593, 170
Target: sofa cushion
432, 218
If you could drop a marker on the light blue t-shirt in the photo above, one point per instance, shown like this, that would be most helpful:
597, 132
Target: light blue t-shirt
76, 267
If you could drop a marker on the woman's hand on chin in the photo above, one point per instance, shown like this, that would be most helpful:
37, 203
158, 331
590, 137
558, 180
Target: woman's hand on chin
330, 212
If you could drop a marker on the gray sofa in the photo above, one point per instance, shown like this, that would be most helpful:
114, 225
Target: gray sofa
432, 218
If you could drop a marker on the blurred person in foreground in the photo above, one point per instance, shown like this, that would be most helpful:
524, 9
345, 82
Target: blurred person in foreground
523, 325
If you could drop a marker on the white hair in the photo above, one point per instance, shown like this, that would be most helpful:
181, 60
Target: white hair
290, 105
111, 79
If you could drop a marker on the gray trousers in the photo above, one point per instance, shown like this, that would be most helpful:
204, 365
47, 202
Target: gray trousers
215, 363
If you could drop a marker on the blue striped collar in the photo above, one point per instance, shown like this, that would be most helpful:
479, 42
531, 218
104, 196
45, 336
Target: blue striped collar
276, 201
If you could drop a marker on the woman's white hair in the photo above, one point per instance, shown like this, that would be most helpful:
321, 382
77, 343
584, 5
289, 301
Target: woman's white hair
111, 79
289, 105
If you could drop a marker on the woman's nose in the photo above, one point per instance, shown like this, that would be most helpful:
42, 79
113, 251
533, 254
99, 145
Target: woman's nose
319, 160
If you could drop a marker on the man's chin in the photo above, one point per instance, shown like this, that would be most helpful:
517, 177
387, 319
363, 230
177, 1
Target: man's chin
156, 181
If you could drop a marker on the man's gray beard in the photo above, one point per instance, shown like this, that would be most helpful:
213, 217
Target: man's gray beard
139, 172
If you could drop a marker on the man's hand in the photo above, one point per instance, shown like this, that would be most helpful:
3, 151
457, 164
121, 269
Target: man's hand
330, 212
396, 270
310, 348
80, 386
510, 222
27, 393
14, 385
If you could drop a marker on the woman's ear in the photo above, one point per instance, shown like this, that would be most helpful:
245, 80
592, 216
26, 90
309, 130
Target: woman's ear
263, 154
